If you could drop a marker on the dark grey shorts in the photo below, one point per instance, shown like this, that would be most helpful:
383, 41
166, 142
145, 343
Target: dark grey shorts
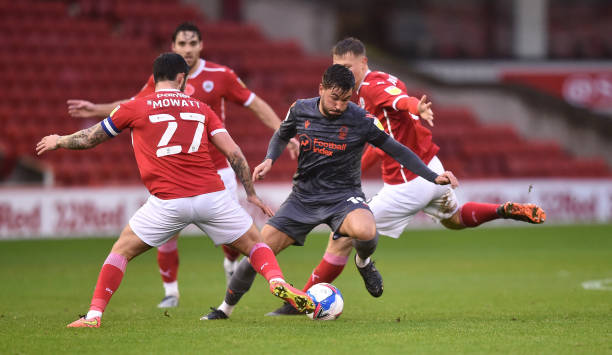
296, 218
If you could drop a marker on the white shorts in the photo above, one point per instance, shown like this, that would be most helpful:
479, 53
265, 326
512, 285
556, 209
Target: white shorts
217, 214
395, 205
229, 180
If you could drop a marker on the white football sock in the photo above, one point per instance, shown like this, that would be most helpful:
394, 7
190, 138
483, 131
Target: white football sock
361, 263
276, 279
226, 308
93, 314
171, 288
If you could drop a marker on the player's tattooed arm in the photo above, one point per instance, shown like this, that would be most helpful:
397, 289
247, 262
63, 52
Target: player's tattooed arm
241, 168
83, 139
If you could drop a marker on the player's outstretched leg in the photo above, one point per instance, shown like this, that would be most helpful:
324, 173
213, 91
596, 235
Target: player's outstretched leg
473, 214
125, 248
262, 261
168, 261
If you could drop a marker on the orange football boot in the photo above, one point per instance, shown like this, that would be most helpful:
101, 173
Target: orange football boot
85, 323
525, 212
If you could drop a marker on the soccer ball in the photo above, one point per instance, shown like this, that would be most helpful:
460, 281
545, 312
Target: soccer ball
328, 302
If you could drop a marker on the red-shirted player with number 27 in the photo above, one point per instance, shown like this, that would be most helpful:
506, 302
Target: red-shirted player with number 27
214, 84
170, 135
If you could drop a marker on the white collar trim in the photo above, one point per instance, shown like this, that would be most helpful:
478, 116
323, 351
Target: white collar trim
362, 81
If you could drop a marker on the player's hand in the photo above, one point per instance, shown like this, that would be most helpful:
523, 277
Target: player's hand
425, 111
254, 199
48, 143
262, 169
81, 108
294, 148
447, 178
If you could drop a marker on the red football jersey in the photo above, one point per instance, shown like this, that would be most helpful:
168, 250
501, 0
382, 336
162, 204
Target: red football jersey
378, 94
170, 136
212, 84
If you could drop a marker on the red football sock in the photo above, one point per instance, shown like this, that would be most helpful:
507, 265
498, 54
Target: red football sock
474, 214
328, 269
264, 262
168, 261
108, 281
230, 253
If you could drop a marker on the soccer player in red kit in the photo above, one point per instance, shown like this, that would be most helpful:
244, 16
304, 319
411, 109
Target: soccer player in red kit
170, 135
404, 193
213, 84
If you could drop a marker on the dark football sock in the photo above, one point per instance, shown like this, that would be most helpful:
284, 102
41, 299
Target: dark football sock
365, 248
240, 283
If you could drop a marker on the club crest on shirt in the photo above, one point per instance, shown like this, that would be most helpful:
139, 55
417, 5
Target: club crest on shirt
343, 132
208, 85
189, 89
307, 124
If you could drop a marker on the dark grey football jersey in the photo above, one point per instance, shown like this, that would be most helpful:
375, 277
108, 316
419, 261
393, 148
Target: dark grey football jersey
329, 164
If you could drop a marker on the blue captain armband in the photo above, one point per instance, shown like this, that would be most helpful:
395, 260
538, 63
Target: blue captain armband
109, 127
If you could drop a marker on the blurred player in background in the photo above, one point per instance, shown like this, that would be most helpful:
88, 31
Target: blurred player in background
327, 185
404, 193
170, 134
213, 84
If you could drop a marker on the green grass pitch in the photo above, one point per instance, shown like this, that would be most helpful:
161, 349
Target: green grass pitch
486, 290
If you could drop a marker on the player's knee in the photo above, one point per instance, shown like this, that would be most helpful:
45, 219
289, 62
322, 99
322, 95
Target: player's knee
365, 231
129, 245
454, 222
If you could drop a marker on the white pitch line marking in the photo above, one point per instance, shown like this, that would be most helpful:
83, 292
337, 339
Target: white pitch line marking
600, 285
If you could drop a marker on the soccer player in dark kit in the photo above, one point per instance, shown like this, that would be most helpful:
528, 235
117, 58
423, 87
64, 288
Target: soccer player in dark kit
327, 185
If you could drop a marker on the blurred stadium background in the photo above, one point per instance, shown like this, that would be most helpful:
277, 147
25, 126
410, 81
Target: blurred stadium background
522, 93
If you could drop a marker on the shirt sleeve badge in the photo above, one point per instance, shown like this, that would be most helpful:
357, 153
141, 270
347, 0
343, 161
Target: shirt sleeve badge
393, 90
114, 110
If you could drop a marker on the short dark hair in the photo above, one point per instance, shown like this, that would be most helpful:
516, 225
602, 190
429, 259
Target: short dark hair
186, 27
168, 65
338, 76
349, 45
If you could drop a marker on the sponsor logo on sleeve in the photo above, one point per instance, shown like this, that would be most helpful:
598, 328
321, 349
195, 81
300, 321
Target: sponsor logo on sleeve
393, 90
114, 110
378, 124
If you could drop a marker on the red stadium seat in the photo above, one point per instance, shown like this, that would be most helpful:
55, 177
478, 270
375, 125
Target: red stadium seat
102, 51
